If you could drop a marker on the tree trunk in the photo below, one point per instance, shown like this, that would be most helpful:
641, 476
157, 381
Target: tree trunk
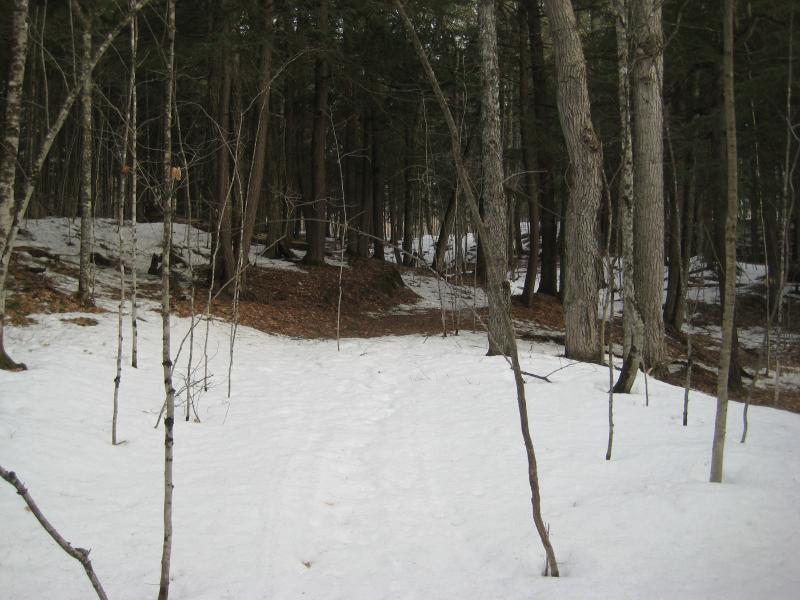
166, 358
258, 165
226, 267
408, 196
87, 218
445, 231
532, 185
497, 287
633, 328
134, 136
548, 280
315, 219
472, 203
586, 156
8, 159
729, 298
648, 176
377, 191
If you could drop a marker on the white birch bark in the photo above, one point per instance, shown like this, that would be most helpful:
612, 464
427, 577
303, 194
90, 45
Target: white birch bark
8, 158
133, 124
87, 218
166, 200
12, 212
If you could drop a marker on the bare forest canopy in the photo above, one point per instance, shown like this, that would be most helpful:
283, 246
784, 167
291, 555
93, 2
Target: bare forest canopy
292, 118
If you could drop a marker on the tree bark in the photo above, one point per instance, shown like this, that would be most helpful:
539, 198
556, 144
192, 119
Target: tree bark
648, 176
378, 233
495, 217
632, 325
532, 184
472, 203
258, 165
134, 136
87, 218
166, 358
581, 241
226, 267
315, 215
548, 280
408, 196
8, 158
729, 298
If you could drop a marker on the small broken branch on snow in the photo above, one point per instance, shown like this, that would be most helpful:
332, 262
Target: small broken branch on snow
79, 554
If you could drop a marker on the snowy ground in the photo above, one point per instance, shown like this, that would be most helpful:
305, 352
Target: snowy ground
391, 469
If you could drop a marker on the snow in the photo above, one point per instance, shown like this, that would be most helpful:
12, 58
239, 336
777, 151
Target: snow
393, 468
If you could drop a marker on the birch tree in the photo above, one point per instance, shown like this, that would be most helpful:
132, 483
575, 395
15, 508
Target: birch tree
87, 218
8, 159
11, 210
169, 178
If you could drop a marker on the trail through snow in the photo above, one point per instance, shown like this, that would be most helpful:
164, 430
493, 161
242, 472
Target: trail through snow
392, 469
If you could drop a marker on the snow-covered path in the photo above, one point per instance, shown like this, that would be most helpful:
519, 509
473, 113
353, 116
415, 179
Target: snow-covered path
392, 469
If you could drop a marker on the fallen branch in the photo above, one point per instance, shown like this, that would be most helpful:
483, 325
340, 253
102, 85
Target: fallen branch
542, 377
79, 554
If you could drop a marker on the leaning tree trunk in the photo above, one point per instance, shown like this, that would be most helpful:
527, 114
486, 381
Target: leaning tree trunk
633, 328
169, 178
581, 241
729, 298
8, 158
648, 176
85, 274
472, 203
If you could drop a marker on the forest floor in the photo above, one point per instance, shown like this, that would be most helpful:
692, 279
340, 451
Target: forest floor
387, 467
379, 299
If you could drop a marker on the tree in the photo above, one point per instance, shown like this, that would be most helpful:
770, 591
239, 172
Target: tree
631, 317
11, 210
729, 297
8, 160
494, 202
507, 324
87, 218
317, 211
170, 178
581, 275
648, 175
